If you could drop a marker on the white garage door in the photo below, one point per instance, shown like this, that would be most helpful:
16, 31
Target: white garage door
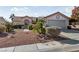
59, 23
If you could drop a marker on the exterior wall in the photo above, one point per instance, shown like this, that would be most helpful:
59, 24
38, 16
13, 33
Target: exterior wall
54, 17
21, 20
59, 22
30, 20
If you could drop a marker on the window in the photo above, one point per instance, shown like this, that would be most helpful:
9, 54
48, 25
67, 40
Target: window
58, 16
26, 21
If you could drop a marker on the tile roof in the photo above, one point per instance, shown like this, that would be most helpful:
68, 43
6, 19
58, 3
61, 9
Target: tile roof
57, 13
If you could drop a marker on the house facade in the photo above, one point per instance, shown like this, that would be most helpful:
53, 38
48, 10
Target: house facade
56, 19
20, 21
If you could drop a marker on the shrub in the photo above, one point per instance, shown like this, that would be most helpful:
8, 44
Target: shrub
9, 27
2, 28
69, 27
53, 31
39, 28
30, 27
41, 31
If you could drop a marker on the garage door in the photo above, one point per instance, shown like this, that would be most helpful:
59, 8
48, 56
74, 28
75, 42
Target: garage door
59, 23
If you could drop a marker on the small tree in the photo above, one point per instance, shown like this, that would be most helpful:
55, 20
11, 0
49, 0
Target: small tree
75, 15
39, 27
12, 18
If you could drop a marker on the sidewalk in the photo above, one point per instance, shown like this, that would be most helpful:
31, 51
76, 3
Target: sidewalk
42, 47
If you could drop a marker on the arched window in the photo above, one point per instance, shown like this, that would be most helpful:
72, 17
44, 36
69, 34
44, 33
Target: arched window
26, 21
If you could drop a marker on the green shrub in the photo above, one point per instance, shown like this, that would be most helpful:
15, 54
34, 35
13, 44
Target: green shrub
30, 27
9, 26
42, 30
38, 26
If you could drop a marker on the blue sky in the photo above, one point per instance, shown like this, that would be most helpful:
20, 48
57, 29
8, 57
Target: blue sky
35, 11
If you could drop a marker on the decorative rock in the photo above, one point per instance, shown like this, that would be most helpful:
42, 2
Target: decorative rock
53, 31
26, 30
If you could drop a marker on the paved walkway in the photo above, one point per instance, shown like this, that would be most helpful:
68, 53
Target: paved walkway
42, 47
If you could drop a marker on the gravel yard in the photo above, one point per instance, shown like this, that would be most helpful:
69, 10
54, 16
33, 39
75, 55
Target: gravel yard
20, 38
25, 38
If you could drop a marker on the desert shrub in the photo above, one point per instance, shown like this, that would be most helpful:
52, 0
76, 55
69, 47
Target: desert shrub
2, 28
9, 26
53, 31
30, 27
42, 30
39, 28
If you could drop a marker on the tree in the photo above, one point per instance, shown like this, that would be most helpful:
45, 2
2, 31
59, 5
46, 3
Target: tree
38, 27
75, 14
12, 17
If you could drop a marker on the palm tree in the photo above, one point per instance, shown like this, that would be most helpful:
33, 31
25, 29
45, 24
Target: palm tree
12, 17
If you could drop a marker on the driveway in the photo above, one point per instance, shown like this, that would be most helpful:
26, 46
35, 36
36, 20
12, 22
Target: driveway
72, 34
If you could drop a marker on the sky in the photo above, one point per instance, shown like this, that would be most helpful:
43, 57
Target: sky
36, 11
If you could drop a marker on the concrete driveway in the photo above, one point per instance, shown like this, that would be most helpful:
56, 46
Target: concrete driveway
72, 34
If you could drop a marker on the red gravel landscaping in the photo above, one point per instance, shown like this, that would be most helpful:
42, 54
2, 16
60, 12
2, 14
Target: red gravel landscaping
20, 38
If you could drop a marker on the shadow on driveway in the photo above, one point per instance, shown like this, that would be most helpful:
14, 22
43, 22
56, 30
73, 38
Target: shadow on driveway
65, 40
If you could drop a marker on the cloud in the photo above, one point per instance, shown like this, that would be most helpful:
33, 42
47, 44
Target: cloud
68, 10
20, 10
36, 14
14, 9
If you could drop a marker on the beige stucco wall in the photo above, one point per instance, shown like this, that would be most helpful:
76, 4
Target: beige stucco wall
54, 17
21, 20
53, 21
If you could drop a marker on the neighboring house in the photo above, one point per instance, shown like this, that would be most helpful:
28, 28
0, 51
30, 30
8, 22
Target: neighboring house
20, 21
57, 19
2, 21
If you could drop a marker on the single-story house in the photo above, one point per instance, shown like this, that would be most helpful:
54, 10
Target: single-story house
57, 19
